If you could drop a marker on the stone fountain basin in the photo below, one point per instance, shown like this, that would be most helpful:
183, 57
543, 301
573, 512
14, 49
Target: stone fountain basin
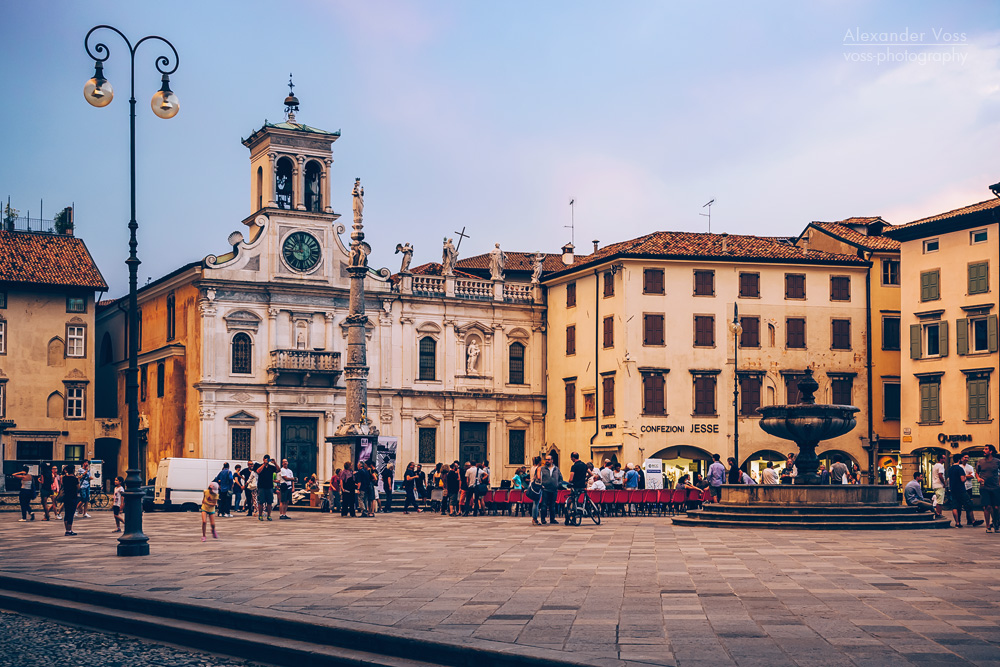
807, 422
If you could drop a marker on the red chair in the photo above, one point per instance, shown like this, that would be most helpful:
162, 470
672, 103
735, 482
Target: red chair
598, 498
621, 501
694, 498
678, 498
488, 499
649, 501
707, 497
516, 501
663, 501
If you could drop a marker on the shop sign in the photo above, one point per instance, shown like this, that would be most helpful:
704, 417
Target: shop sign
673, 428
953, 440
609, 426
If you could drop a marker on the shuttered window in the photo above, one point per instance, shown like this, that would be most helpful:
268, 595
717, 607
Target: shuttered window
571, 400
840, 288
750, 332
979, 278
890, 401
704, 330
841, 390
652, 394
890, 271
890, 333
792, 395
609, 283
795, 286
750, 285
704, 283
795, 333
978, 389
652, 329
930, 289
930, 400
704, 394
840, 335
652, 281
608, 396
571, 339
570, 295
609, 331
749, 394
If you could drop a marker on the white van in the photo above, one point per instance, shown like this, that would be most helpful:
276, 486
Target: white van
181, 482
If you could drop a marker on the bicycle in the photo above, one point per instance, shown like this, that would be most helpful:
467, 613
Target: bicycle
576, 508
99, 497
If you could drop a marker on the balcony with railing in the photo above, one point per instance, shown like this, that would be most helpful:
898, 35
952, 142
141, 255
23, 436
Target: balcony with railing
304, 367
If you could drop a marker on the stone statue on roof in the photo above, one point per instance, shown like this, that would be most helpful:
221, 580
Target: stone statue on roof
407, 251
449, 256
498, 260
359, 201
536, 268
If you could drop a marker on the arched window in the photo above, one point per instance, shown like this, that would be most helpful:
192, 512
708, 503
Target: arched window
428, 359
242, 353
107, 352
516, 363
313, 196
283, 176
161, 379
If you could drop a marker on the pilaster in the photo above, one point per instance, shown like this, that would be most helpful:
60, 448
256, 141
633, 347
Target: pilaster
269, 198
299, 191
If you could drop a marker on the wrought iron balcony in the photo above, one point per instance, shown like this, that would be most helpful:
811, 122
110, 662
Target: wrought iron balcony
304, 366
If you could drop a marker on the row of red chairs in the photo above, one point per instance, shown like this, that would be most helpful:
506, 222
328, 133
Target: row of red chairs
624, 502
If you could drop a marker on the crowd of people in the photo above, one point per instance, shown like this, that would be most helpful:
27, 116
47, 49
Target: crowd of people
64, 494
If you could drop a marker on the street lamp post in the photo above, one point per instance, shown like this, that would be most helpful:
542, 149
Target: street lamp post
737, 330
99, 93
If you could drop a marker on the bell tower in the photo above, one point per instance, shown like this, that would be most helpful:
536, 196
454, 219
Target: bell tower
290, 164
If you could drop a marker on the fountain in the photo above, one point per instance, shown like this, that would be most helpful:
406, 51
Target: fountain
807, 503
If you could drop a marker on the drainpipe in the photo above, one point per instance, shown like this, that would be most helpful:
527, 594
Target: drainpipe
597, 374
872, 444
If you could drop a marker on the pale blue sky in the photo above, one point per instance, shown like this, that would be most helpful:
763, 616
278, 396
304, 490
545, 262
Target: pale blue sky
493, 114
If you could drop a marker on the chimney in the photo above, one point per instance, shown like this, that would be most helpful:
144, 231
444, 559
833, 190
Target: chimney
595, 245
567, 254
725, 242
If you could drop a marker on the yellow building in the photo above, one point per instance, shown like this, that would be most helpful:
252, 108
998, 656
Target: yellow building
641, 347
865, 237
949, 302
47, 286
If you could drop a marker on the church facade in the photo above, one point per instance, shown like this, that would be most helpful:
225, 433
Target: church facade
242, 353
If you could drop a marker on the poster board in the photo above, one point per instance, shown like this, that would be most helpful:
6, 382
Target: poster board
385, 452
653, 469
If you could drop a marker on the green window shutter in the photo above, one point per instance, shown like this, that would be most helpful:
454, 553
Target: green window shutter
979, 278
934, 286
962, 336
977, 390
934, 400
991, 332
924, 281
914, 341
943, 338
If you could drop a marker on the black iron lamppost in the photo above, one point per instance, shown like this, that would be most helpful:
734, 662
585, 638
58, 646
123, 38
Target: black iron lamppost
99, 93
737, 330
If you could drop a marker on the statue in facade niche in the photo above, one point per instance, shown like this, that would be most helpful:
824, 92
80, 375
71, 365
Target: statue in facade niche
498, 260
449, 256
407, 251
312, 192
472, 354
536, 268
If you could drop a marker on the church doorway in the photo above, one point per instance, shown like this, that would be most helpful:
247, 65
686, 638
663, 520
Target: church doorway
298, 445
472, 441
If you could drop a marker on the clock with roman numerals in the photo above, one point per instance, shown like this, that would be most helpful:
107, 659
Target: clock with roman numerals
301, 251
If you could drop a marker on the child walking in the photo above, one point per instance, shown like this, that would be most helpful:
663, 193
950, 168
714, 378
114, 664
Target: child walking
208, 504
118, 504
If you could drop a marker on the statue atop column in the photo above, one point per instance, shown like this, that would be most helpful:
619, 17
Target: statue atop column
498, 260
536, 268
407, 251
449, 256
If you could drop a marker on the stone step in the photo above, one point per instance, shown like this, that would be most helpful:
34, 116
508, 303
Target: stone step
803, 508
792, 523
765, 515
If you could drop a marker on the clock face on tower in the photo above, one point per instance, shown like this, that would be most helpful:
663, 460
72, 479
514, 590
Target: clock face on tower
301, 251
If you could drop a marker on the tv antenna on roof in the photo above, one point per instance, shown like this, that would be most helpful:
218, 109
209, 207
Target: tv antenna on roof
572, 221
709, 214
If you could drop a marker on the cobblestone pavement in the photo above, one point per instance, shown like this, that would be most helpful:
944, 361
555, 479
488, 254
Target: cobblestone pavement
32, 642
635, 588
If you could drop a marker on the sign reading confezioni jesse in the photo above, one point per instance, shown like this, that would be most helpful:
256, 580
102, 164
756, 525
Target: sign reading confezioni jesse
679, 428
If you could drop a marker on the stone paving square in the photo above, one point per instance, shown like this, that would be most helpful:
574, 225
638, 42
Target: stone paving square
636, 589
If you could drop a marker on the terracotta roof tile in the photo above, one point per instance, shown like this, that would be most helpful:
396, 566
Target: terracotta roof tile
695, 245
434, 269
516, 261
965, 210
47, 259
842, 231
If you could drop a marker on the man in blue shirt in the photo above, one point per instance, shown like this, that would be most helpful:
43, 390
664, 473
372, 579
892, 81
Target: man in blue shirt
716, 477
632, 477
913, 493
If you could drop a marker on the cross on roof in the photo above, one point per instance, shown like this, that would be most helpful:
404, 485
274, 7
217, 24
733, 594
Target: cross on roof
461, 235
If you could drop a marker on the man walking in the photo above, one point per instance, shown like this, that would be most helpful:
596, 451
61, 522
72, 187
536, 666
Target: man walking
388, 477
913, 493
716, 477
366, 486
225, 481
265, 487
285, 489
551, 478
349, 486
938, 481
988, 473
471, 481
960, 499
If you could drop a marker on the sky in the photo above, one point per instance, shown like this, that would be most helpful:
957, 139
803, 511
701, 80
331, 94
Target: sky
492, 116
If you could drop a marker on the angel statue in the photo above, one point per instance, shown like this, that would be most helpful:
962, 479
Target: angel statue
536, 268
449, 256
407, 251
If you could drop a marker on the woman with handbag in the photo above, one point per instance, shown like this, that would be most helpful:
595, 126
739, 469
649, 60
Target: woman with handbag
534, 490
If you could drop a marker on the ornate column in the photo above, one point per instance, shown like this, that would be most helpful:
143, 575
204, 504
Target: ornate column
271, 445
269, 197
356, 368
208, 351
298, 196
324, 186
328, 334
